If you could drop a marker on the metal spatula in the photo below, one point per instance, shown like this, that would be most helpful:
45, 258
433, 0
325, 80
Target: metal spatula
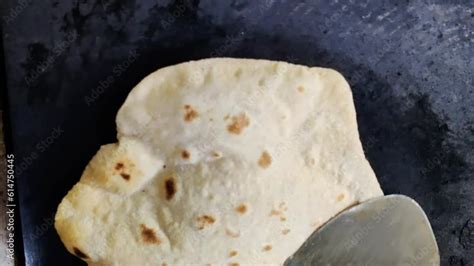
389, 230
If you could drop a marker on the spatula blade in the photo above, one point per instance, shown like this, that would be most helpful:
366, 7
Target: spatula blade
389, 230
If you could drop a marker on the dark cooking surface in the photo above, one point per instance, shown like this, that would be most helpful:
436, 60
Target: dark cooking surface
411, 67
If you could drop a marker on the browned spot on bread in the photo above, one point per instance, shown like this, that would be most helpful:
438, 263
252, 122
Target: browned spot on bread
265, 160
226, 117
234, 264
275, 213
231, 233
267, 248
79, 253
242, 208
280, 212
122, 164
232, 253
204, 221
300, 88
239, 122
185, 154
237, 73
149, 235
164, 166
285, 231
216, 154
164, 264
170, 187
189, 113
118, 166
340, 197
125, 176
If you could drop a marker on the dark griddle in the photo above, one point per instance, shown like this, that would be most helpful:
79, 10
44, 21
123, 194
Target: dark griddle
410, 64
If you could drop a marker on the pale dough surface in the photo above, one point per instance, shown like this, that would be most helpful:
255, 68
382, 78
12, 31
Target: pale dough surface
222, 162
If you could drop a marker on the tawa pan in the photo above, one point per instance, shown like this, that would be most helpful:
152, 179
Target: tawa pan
70, 64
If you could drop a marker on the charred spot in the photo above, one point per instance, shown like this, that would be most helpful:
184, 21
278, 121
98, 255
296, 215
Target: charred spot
170, 188
164, 166
80, 254
149, 235
185, 154
265, 160
189, 113
239, 122
119, 166
242, 208
204, 221
125, 176
267, 248
233, 253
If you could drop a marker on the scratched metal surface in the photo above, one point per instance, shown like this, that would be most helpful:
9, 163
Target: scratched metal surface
410, 64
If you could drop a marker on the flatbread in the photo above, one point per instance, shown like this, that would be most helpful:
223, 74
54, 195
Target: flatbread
222, 162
